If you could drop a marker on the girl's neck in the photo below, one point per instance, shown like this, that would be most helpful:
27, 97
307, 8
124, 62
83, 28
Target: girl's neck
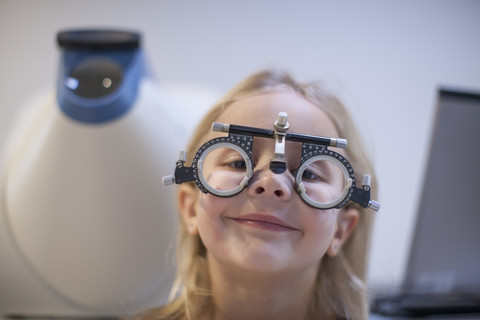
238, 294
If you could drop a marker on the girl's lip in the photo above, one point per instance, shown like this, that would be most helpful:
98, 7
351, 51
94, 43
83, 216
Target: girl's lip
264, 221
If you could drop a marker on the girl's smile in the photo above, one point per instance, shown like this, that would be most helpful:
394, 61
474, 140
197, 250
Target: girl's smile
264, 221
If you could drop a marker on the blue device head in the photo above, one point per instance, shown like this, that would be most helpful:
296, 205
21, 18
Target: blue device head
100, 71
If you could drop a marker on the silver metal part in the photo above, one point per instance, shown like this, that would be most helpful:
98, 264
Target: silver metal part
366, 179
374, 205
168, 180
182, 156
281, 124
280, 147
338, 142
341, 143
220, 127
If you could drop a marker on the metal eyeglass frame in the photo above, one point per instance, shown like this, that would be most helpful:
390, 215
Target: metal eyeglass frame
314, 148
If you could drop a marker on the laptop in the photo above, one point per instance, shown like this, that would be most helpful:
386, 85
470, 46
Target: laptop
443, 270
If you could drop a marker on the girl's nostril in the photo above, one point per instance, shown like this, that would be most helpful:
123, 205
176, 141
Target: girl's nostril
279, 193
260, 190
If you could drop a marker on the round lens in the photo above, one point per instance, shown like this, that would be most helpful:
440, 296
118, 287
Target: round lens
224, 169
323, 181
95, 78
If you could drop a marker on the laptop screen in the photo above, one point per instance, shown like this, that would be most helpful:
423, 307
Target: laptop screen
445, 252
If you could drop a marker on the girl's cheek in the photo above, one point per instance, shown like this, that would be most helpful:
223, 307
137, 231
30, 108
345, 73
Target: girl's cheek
324, 221
213, 206
210, 222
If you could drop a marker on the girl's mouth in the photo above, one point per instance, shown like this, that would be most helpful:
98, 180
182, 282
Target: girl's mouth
264, 221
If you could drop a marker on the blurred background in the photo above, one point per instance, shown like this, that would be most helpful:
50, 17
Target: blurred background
385, 58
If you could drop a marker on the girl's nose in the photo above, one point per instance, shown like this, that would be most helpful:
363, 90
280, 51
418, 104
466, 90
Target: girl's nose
266, 183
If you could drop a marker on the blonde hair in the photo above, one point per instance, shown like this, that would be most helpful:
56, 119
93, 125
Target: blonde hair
340, 285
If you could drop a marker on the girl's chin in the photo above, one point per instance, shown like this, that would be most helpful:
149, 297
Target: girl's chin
262, 262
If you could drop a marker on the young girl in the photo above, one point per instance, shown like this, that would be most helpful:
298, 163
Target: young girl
263, 251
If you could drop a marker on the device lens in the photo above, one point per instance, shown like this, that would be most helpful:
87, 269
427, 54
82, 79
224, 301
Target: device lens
95, 78
223, 169
323, 181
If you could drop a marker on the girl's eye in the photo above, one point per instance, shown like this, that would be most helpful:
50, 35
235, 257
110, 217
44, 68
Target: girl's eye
314, 176
308, 175
239, 165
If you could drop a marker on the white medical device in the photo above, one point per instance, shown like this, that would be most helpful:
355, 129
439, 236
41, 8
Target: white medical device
86, 227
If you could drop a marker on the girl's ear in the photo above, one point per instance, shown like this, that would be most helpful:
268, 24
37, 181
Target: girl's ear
346, 221
187, 200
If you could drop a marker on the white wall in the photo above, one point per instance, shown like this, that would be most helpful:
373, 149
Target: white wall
387, 58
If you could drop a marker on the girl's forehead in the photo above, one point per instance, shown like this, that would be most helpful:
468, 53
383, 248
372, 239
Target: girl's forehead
261, 110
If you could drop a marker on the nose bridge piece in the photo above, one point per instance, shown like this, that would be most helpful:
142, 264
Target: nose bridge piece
278, 167
278, 164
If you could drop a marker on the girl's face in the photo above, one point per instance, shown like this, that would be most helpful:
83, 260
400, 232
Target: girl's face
267, 227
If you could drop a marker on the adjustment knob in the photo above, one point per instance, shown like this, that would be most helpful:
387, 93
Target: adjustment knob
168, 180
281, 124
182, 156
374, 205
366, 180
341, 143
